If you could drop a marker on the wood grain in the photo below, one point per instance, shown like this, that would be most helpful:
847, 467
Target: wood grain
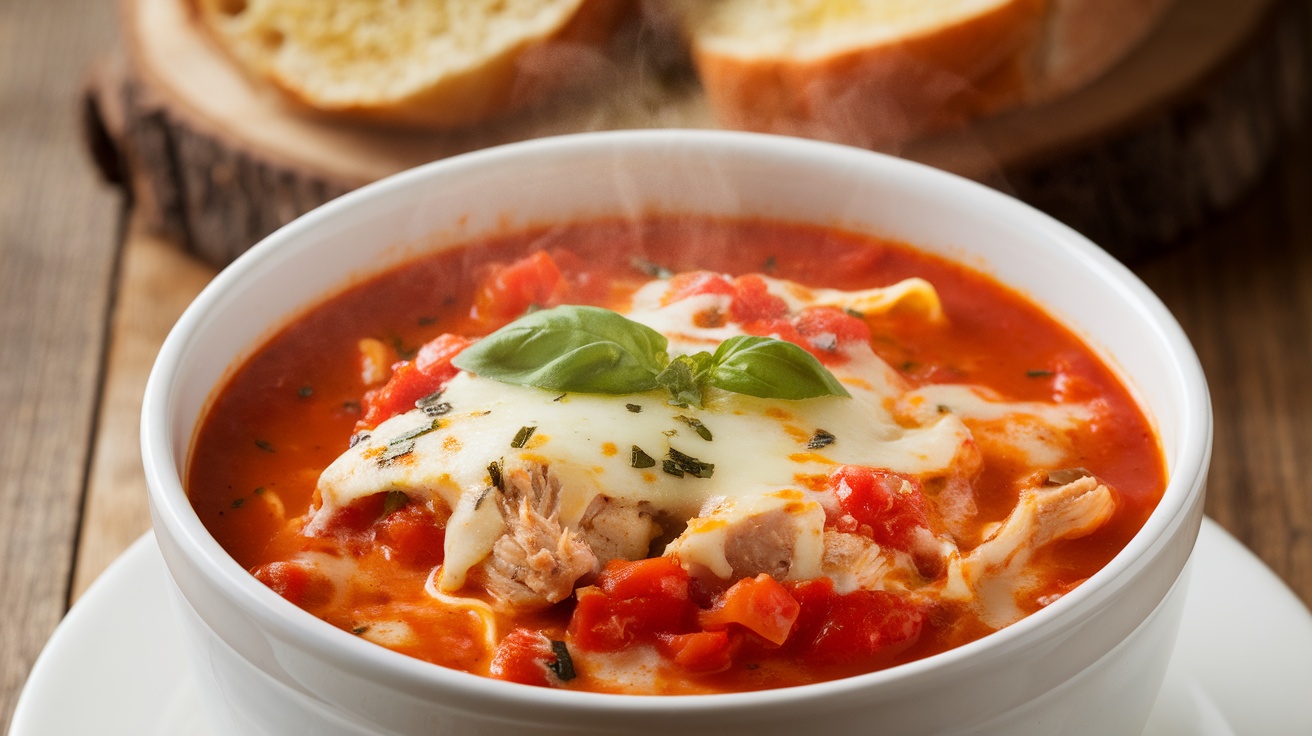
157, 282
1181, 127
59, 232
1243, 293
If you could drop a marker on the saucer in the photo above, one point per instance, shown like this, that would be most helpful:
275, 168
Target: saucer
1242, 664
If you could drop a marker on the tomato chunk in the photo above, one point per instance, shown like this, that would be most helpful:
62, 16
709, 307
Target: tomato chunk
694, 283
700, 651
295, 582
523, 656
865, 627
890, 504
633, 602
509, 291
415, 537
753, 301
759, 604
816, 323
414, 379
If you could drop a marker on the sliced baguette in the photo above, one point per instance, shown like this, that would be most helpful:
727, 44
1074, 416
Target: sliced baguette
879, 72
415, 63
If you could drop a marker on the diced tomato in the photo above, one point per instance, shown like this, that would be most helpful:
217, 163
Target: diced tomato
509, 291
632, 602
414, 379
814, 322
759, 604
522, 656
693, 283
892, 505
753, 301
700, 651
355, 517
865, 627
293, 581
416, 538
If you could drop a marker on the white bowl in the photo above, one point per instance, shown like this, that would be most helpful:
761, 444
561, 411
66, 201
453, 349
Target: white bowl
1090, 663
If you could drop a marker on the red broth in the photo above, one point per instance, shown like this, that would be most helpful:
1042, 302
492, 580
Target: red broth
293, 407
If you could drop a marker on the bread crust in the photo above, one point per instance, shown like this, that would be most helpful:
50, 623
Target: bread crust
881, 95
507, 80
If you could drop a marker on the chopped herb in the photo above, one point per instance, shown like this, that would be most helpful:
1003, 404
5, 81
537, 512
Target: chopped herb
769, 264
641, 459
395, 501
357, 438
494, 469
259, 491
671, 467
430, 400
403, 351
689, 464
522, 436
908, 365
558, 398
483, 413
820, 439
419, 431
437, 410
448, 300
564, 664
236, 503
351, 407
426, 321
264, 445
395, 450
359, 630
305, 392
653, 270
670, 432
943, 408
854, 313
697, 427
1038, 374
633, 408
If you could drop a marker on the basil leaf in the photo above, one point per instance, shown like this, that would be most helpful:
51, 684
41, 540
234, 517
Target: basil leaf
683, 378
570, 348
770, 369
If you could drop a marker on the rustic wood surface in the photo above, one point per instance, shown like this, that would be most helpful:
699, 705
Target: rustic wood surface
1182, 126
86, 296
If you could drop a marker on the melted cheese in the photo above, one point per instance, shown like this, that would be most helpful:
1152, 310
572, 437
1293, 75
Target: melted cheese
758, 447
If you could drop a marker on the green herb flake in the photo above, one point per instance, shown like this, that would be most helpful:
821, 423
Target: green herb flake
412, 434
395, 501
672, 468
426, 321
403, 351
237, 502
820, 439
564, 664
943, 408
265, 445
359, 630
696, 426
258, 491
494, 470
433, 405
641, 459
522, 436
356, 439
305, 392
769, 265
690, 465
854, 313
351, 407
635, 408
1038, 374
560, 398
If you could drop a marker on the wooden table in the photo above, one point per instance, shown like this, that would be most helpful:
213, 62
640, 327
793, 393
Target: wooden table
86, 297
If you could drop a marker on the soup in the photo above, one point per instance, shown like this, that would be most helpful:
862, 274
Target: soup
678, 456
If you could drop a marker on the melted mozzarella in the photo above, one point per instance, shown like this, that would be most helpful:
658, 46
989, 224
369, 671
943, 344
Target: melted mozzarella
758, 448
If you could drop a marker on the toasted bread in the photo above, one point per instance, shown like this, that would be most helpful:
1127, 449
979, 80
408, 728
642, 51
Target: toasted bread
416, 63
879, 72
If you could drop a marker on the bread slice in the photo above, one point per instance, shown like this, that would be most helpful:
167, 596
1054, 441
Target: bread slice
416, 63
878, 72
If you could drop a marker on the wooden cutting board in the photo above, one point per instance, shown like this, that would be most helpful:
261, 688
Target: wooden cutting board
1181, 127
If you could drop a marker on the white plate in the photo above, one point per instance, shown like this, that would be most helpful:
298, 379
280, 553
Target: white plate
1243, 663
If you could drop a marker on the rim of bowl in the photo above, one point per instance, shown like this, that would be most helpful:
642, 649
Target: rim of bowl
1183, 492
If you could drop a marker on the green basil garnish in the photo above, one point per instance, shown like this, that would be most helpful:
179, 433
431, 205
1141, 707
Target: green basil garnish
593, 350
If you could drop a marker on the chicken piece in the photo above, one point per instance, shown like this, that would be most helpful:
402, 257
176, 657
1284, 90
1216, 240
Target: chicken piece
617, 529
536, 561
853, 561
776, 534
1061, 505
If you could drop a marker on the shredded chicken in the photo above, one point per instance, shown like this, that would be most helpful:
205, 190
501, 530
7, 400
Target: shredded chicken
617, 529
1060, 505
537, 561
